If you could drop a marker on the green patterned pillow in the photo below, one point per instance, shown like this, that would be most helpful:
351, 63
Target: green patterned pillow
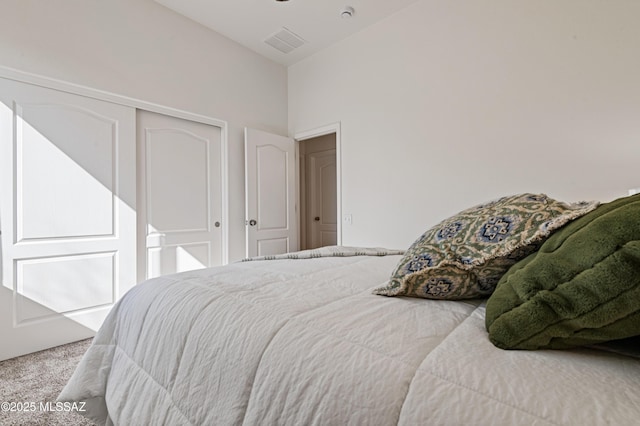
464, 256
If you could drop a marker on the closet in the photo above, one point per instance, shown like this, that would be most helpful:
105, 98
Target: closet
96, 195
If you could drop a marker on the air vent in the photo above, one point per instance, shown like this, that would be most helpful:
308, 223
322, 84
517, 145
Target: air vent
284, 40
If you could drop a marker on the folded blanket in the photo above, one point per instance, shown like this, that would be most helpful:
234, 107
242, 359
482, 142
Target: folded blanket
582, 287
330, 251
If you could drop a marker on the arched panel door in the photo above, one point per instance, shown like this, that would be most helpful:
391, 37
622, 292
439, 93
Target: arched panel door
271, 222
180, 195
68, 214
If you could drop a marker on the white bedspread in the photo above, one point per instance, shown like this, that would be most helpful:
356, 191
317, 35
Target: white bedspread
304, 342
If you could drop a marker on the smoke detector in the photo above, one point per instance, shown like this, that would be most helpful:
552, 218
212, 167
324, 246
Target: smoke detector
347, 12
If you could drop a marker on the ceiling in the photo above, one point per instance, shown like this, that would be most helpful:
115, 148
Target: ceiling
317, 22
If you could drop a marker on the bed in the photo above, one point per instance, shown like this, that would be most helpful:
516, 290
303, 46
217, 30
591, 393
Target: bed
300, 339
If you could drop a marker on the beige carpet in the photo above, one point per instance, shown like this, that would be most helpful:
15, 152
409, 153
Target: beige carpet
39, 378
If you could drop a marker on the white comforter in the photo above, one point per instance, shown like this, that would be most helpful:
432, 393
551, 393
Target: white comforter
304, 342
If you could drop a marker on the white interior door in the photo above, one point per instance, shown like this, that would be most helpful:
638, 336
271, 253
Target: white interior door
270, 179
67, 211
323, 199
180, 194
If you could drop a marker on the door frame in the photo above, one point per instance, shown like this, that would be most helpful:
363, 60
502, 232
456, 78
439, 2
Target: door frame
310, 134
76, 89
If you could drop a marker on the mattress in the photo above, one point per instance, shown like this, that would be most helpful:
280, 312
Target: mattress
303, 341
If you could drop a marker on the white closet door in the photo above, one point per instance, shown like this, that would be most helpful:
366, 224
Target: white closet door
67, 214
180, 194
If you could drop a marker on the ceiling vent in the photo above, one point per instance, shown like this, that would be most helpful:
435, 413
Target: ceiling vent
284, 40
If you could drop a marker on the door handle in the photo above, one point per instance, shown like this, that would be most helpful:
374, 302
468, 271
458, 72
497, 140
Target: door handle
252, 222
317, 219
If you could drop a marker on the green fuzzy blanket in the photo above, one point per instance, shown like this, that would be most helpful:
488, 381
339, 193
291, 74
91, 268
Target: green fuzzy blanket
581, 287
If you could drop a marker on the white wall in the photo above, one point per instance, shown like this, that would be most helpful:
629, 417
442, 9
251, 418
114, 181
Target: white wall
450, 103
140, 49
